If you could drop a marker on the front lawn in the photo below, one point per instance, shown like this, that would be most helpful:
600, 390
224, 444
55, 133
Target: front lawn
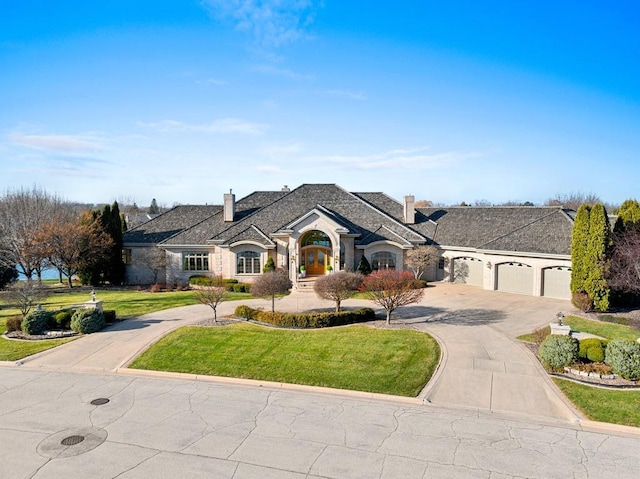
605, 405
126, 303
398, 362
600, 328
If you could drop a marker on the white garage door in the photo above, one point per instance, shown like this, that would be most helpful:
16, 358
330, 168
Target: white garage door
515, 278
556, 282
467, 270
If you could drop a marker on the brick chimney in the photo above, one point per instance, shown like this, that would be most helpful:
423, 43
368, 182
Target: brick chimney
409, 209
229, 208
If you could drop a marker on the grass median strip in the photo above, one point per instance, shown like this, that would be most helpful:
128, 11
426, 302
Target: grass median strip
11, 350
398, 362
605, 405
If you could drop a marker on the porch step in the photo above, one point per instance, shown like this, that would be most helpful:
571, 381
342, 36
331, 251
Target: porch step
305, 285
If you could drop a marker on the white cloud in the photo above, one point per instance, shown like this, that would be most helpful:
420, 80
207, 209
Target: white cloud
272, 169
414, 158
352, 95
223, 125
58, 143
271, 23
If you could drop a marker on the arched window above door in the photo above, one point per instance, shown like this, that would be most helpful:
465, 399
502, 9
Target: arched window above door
315, 238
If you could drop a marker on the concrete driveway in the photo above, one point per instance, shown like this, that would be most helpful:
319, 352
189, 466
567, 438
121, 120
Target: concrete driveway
483, 367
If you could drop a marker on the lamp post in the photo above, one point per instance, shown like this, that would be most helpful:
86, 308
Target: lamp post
560, 317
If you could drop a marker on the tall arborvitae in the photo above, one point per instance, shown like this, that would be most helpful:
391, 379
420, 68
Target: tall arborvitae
598, 253
115, 273
579, 246
628, 215
92, 267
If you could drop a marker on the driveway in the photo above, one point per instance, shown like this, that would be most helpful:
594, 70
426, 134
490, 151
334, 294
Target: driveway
484, 367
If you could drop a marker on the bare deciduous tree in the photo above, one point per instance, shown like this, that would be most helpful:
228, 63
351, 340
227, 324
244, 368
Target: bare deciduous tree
338, 286
391, 289
22, 215
573, 200
154, 259
623, 271
25, 295
419, 258
212, 295
270, 284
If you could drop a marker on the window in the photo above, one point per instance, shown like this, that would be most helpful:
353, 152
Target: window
383, 260
126, 256
441, 263
192, 261
317, 238
248, 262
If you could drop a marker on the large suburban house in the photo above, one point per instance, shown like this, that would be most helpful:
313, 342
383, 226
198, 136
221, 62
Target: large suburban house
323, 227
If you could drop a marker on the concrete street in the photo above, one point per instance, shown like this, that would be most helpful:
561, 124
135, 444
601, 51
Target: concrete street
489, 412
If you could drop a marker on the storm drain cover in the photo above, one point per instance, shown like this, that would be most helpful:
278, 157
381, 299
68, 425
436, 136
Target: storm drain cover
72, 440
99, 401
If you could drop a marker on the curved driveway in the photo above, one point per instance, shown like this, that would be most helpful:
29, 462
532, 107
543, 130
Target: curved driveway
484, 366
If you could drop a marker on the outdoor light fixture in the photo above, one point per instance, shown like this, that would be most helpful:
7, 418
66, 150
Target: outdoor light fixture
489, 264
560, 316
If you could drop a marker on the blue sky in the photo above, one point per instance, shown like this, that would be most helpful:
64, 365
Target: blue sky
181, 100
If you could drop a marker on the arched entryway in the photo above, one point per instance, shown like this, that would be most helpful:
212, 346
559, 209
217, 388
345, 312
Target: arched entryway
315, 252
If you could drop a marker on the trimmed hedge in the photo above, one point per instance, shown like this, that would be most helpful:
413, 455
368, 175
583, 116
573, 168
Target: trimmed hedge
62, 318
110, 316
558, 351
306, 320
199, 280
624, 358
35, 322
592, 349
86, 321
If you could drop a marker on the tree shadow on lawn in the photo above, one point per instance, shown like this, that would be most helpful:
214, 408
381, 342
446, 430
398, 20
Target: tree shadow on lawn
458, 317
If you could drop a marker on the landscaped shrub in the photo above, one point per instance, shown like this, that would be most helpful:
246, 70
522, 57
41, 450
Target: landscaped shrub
624, 358
86, 321
558, 351
35, 322
199, 280
592, 349
14, 323
582, 302
246, 312
156, 288
109, 316
306, 320
62, 318
364, 267
269, 265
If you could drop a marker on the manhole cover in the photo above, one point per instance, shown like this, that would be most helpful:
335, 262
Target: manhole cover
99, 401
72, 440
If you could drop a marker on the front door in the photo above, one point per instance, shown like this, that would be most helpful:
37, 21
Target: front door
316, 260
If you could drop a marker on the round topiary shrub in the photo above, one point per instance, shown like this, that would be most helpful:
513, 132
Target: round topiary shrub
592, 349
35, 322
624, 358
558, 351
86, 321
14, 323
62, 318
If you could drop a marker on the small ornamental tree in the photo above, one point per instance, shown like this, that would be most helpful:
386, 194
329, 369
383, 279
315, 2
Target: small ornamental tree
364, 267
25, 295
419, 258
270, 284
338, 287
391, 289
269, 265
212, 294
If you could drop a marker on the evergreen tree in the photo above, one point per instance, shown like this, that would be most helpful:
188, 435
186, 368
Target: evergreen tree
579, 245
153, 208
363, 266
7, 275
598, 253
269, 265
115, 268
628, 215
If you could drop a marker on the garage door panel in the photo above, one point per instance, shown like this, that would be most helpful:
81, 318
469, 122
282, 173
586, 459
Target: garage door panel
467, 270
556, 282
515, 278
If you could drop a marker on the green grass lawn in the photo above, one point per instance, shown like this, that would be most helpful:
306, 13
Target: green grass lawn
398, 362
600, 328
126, 303
605, 405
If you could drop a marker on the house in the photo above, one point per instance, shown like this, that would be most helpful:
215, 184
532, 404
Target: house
516, 249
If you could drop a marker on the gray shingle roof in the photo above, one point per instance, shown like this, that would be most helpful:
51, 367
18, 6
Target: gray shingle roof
523, 229
170, 223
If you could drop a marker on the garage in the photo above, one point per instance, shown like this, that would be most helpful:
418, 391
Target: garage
556, 282
515, 278
467, 270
